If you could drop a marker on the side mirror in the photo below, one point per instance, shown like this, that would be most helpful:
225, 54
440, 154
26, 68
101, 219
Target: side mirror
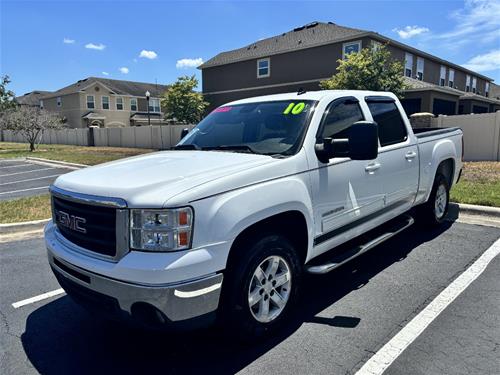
362, 144
363, 140
184, 132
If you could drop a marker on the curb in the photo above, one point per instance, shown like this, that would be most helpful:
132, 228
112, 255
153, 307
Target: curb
473, 209
23, 226
55, 162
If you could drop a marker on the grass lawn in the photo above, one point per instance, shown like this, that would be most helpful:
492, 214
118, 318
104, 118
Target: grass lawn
72, 154
25, 209
480, 184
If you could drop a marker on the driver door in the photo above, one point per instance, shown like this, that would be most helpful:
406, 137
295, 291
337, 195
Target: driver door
344, 191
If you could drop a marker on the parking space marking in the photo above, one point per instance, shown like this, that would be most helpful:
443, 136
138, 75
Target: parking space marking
40, 297
19, 191
16, 166
30, 179
34, 170
381, 360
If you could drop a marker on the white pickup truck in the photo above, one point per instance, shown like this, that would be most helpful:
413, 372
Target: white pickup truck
259, 192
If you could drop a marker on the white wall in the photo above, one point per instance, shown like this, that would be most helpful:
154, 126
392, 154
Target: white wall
155, 137
481, 134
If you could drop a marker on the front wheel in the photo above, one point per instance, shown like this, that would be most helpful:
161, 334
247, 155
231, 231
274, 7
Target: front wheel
260, 287
433, 212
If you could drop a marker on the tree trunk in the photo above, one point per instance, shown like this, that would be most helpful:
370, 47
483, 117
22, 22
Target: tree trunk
32, 146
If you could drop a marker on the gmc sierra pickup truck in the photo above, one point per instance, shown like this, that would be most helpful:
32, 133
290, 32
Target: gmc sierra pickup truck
259, 192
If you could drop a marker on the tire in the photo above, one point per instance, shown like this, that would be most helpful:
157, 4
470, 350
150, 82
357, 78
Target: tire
433, 212
248, 320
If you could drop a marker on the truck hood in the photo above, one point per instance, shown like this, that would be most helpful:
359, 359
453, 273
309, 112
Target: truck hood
150, 180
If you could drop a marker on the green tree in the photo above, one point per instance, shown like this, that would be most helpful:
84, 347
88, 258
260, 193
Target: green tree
370, 69
182, 103
6, 96
30, 122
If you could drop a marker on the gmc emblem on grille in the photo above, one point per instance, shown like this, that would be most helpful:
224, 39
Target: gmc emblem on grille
71, 221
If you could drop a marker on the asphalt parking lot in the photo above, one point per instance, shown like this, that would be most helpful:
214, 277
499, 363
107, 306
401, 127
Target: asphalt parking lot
19, 178
343, 318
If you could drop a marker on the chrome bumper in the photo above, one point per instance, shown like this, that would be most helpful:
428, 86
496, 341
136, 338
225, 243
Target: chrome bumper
162, 304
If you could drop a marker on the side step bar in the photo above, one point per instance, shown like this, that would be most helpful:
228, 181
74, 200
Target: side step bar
339, 259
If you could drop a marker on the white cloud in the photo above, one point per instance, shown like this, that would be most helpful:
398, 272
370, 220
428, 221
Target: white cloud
148, 54
408, 32
486, 62
68, 41
124, 70
105, 73
98, 47
478, 22
188, 63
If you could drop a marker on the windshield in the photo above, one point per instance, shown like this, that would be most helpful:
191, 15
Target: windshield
264, 128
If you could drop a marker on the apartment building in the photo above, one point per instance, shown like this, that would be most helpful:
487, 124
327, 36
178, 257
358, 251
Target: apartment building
103, 102
304, 56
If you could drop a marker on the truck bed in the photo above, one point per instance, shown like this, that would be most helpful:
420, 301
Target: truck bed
429, 132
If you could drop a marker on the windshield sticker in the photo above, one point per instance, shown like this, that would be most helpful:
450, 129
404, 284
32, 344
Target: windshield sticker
222, 109
295, 109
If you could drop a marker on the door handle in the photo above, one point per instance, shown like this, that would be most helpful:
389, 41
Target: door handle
371, 168
410, 155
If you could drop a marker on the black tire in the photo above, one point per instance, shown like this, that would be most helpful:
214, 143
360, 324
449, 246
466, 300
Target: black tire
428, 214
235, 315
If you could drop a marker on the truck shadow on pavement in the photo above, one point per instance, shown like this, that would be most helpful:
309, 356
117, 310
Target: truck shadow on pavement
62, 338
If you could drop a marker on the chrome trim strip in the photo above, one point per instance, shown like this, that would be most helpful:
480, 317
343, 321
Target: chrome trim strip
93, 200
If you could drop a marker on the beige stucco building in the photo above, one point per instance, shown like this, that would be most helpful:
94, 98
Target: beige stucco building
105, 103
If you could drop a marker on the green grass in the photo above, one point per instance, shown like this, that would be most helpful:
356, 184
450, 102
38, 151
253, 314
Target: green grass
480, 184
72, 154
25, 209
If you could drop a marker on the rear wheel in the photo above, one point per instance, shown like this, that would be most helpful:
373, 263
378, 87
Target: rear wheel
260, 287
434, 211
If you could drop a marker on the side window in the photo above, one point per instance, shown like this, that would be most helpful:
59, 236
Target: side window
391, 127
340, 117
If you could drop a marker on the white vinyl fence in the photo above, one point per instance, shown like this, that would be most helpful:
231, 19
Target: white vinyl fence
481, 134
157, 137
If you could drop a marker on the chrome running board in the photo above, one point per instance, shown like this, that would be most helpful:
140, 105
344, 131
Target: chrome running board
339, 259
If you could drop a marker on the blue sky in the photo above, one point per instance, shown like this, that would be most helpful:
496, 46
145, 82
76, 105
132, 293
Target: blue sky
46, 45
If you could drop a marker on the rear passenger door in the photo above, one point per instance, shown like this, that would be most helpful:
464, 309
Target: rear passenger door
398, 154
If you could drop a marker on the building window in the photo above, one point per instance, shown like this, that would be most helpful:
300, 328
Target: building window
90, 102
451, 78
376, 45
133, 104
408, 64
119, 104
420, 68
442, 76
154, 105
263, 68
350, 47
467, 83
41, 104
486, 89
105, 102
59, 101
474, 84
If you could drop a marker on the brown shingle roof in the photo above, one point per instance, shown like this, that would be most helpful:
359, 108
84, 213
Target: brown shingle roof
310, 35
117, 86
32, 98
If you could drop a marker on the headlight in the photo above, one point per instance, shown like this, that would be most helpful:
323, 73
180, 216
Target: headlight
161, 230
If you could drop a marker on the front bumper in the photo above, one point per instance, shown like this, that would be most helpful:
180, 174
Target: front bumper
188, 303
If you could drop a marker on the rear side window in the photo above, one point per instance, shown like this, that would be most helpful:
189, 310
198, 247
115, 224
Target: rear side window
340, 117
391, 127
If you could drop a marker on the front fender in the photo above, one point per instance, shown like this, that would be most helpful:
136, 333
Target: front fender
223, 217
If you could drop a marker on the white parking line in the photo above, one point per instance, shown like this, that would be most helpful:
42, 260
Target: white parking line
381, 360
30, 179
16, 166
37, 298
34, 170
19, 191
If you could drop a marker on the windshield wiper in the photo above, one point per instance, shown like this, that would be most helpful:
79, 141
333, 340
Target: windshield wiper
187, 147
236, 148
